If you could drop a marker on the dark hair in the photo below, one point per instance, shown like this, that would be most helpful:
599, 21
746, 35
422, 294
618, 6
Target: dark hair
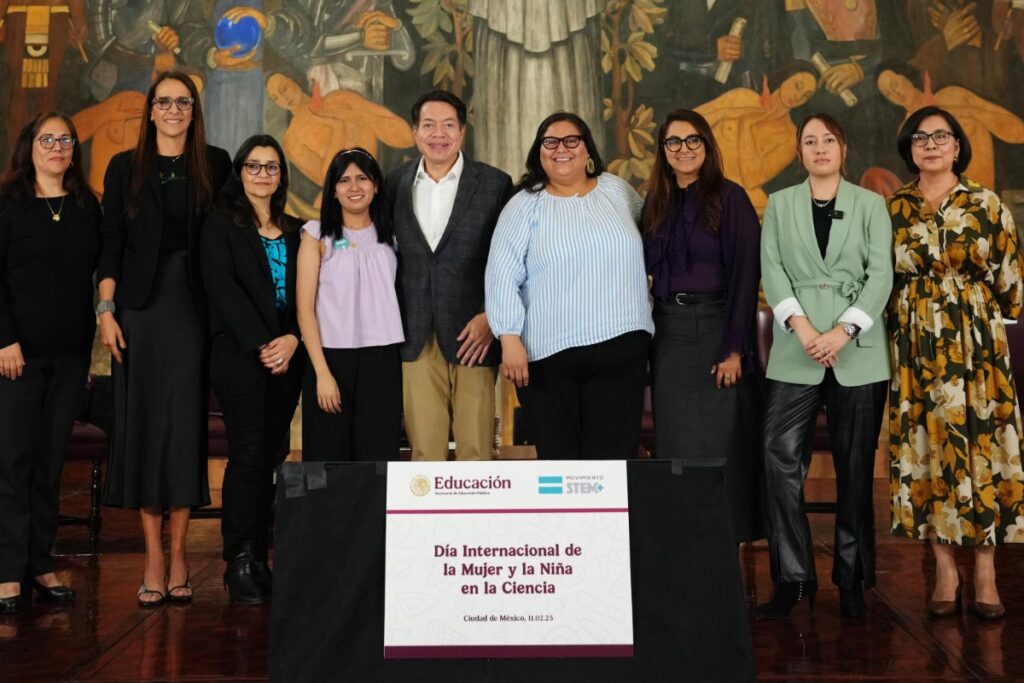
233, 198
833, 126
439, 96
197, 164
18, 183
910, 127
535, 178
330, 209
788, 70
709, 185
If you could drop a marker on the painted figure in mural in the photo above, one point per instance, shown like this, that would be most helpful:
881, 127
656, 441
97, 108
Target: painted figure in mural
129, 39
755, 132
955, 42
320, 125
38, 34
536, 58
239, 36
347, 42
711, 46
846, 40
981, 119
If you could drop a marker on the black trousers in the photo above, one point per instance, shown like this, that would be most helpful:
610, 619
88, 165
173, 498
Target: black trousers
586, 403
369, 426
854, 419
37, 413
258, 409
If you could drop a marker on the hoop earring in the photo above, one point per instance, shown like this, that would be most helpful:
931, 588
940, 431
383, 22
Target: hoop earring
590, 166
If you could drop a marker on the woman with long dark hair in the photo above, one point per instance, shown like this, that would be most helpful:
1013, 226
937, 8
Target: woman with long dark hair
248, 252
954, 411
701, 243
566, 292
153, 319
350, 321
826, 265
49, 244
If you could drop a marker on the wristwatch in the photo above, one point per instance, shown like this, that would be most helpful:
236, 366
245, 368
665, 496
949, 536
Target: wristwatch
105, 306
852, 331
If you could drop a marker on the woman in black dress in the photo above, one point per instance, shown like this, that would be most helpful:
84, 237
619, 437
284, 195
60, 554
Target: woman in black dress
248, 251
49, 242
152, 315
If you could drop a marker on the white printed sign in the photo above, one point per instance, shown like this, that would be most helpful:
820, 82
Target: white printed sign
507, 559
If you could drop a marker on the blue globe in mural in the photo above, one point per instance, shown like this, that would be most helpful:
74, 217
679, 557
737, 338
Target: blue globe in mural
245, 33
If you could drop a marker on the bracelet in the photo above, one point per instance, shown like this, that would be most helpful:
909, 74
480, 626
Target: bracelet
105, 306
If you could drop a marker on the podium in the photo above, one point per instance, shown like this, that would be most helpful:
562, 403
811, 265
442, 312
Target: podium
327, 617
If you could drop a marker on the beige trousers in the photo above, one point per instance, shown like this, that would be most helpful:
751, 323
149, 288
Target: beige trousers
439, 396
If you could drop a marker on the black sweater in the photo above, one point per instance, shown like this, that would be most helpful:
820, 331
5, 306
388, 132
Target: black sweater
46, 276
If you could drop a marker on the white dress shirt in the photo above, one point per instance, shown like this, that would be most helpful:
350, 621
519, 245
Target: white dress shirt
432, 202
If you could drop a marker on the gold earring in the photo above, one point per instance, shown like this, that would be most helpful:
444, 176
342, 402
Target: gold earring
590, 166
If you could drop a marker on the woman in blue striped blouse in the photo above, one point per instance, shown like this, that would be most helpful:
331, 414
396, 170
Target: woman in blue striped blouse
566, 292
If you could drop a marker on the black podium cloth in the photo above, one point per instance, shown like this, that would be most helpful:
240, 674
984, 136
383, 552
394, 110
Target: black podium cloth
327, 619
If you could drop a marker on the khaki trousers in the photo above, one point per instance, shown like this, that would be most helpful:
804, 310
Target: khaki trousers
437, 396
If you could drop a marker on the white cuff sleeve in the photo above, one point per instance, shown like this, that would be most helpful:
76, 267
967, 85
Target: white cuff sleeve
857, 317
786, 309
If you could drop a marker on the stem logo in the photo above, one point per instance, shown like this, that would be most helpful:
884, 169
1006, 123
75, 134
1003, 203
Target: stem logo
549, 485
570, 485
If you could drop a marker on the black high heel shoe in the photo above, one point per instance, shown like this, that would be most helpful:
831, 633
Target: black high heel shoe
851, 600
12, 604
53, 593
785, 598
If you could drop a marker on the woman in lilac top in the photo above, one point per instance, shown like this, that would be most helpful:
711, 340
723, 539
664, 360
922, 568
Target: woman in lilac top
701, 245
349, 317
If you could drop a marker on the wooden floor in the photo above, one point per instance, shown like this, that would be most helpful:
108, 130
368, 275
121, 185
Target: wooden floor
105, 637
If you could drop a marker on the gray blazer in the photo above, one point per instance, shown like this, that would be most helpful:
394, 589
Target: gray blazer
440, 291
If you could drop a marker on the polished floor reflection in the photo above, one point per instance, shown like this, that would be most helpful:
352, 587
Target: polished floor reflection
105, 637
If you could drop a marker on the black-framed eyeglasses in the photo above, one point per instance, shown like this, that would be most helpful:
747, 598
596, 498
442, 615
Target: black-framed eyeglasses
253, 168
47, 141
570, 141
675, 143
939, 137
183, 103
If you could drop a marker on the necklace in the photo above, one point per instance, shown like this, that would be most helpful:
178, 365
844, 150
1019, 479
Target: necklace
821, 204
55, 215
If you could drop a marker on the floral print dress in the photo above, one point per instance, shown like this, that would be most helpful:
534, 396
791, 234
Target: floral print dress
954, 420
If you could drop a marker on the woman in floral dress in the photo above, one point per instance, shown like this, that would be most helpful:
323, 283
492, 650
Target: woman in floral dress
954, 418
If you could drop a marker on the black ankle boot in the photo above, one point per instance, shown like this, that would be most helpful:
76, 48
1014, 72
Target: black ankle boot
785, 598
851, 600
240, 578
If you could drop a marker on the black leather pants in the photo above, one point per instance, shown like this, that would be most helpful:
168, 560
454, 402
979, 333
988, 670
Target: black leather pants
854, 419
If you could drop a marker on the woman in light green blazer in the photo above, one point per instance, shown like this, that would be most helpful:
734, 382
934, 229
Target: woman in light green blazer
826, 264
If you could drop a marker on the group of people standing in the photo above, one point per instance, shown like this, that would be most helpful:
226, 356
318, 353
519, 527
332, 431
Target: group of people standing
386, 310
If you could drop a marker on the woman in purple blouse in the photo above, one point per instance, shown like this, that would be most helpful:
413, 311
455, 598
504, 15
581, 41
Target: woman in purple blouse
349, 317
701, 245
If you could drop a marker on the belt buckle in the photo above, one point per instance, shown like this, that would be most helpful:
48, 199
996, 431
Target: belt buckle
680, 298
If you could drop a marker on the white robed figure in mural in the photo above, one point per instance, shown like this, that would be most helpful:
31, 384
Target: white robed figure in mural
533, 57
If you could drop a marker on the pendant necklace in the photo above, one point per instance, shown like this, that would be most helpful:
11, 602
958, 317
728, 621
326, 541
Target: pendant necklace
821, 204
55, 215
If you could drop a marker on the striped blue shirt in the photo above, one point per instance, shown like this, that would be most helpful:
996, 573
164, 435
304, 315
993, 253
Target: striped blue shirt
568, 271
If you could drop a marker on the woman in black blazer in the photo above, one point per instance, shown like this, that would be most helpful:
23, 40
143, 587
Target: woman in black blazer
248, 252
153, 319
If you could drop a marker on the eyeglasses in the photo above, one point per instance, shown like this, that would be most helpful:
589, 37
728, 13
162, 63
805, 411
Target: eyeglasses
693, 142
253, 168
48, 141
570, 142
939, 137
183, 103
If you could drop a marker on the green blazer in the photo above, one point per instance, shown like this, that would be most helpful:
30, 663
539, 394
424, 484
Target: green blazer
851, 284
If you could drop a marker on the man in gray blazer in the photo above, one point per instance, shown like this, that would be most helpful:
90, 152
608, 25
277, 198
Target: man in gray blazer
444, 207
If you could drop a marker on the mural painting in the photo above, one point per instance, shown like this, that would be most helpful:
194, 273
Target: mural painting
325, 75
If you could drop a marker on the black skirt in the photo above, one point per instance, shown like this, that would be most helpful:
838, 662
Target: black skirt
159, 435
696, 421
